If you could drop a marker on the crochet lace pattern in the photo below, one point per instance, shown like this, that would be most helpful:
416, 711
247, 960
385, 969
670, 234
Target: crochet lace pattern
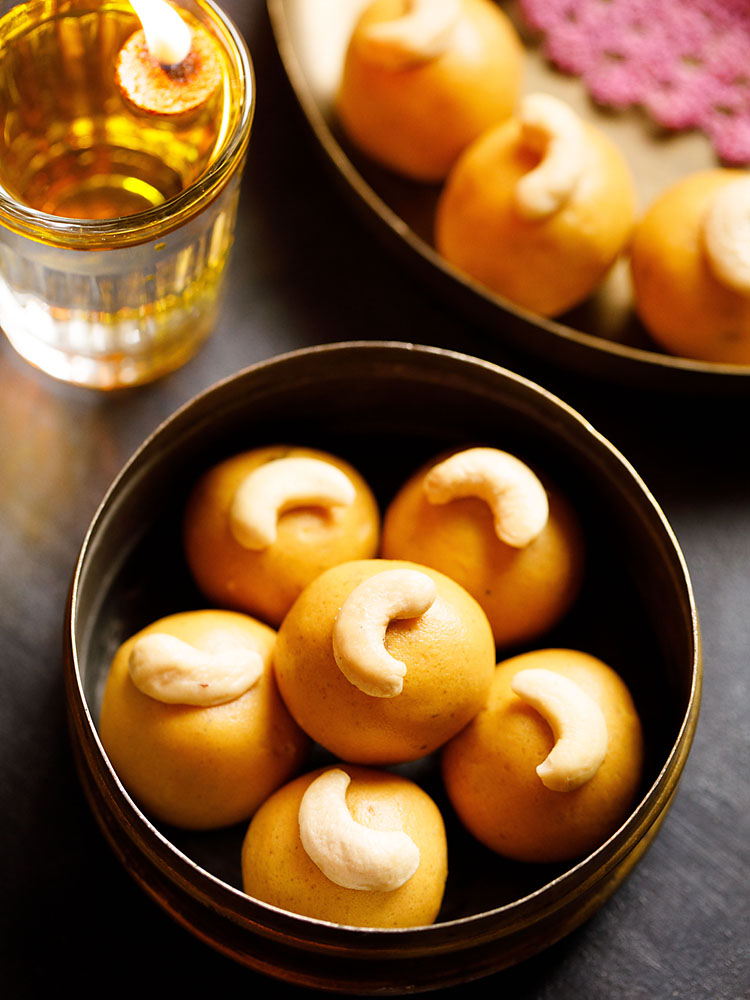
685, 62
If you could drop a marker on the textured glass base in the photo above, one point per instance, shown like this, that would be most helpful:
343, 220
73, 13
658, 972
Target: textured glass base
110, 369
112, 318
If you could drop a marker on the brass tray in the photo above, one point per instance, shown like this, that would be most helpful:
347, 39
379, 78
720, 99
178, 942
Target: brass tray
602, 337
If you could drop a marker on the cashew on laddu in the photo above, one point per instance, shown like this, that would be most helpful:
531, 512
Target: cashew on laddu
347, 852
175, 672
360, 627
577, 723
423, 32
515, 495
726, 235
278, 486
552, 129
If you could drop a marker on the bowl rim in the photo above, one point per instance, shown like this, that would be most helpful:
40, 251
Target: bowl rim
587, 870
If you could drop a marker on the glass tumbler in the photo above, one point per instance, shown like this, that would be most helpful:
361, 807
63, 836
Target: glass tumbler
115, 225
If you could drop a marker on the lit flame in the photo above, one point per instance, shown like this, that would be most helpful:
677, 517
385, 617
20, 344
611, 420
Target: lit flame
167, 36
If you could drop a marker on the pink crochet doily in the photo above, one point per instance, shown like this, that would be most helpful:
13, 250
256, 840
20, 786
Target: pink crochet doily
685, 62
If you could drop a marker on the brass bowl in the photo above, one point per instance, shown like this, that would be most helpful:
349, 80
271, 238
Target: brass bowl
387, 407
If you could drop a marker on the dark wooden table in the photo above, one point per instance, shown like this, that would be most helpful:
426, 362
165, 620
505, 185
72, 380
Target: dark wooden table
305, 272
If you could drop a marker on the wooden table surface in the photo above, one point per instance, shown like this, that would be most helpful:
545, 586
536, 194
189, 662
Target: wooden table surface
305, 271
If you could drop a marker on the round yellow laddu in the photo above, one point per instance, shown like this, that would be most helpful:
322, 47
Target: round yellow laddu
448, 653
523, 591
490, 775
265, 582
416, 119
546, 265
678, 297
277, 869
201, 767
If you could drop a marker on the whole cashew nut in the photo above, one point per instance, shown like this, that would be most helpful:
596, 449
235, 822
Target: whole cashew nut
726, 235
577, 722
348, 853
360, 627
553, 129
422, 33
172, 671
281, 485
515, 495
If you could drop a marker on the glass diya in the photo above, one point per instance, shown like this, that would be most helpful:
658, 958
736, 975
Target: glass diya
116, 219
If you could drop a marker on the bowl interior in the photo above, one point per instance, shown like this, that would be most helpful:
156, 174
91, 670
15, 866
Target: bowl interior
387, 408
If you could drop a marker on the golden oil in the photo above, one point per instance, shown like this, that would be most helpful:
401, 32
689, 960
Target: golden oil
70, 144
